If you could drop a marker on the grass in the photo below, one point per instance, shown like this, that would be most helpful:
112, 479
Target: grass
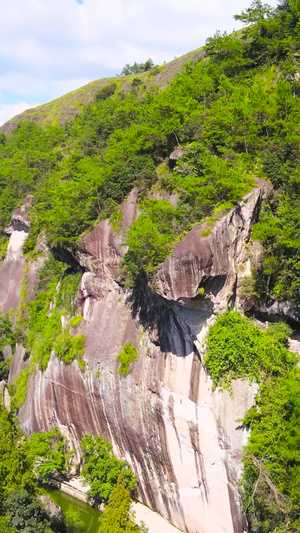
66, 107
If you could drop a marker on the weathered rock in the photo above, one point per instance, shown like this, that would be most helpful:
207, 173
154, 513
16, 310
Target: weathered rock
20, 220
275, 311
174, 156
53, 510
179, 435
212, 261
14, 267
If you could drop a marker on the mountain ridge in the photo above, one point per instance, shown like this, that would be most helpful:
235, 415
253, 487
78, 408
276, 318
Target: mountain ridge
67, 106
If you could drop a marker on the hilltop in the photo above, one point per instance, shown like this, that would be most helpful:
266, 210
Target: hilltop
71, 104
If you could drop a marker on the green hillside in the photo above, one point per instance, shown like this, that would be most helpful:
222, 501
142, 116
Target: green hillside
234, 109
66, 107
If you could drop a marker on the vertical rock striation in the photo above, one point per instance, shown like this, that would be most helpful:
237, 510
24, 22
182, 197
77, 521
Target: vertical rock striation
180, 436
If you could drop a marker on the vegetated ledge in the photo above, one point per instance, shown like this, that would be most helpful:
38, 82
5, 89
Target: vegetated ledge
66, 107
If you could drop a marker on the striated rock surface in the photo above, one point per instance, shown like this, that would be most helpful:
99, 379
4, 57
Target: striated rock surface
13, 269
211, 259
180, 436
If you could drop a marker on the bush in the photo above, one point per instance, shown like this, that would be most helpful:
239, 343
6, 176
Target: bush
75, 320
102, 469
126, 357
106, 92
238, 348
68, 348
49, 452
18, 390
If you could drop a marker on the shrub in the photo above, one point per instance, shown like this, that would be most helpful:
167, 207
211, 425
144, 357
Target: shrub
102, 469
238, 348
106, 92
49, 451
18, 390
75, 320
68, 348
126, 357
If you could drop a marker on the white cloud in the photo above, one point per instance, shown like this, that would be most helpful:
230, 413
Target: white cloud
29, 85
48, 48
8, 111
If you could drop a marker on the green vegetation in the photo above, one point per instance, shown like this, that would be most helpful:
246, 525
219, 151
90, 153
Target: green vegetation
235, 114
19, 508
137, 67
127, 356
18, 389
49, 453
75, 321
117, 517
272, 457
238, 348
42, 329
102, 469
27, 514
25, 463
7, 338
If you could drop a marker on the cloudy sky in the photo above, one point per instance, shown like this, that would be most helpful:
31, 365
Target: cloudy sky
48, 48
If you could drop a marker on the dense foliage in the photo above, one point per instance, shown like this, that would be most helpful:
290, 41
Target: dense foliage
237, 348
271, 479
50, 453
236, 114
117, 517
102, 469
19, 508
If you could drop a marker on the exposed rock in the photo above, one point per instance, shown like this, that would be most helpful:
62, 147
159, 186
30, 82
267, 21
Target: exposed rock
179, 435
174, 156
129, 209
20, 220
53, 510
212, 261
14, 268
275, 311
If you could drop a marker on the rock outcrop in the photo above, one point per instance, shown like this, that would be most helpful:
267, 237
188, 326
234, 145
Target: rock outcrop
180, 436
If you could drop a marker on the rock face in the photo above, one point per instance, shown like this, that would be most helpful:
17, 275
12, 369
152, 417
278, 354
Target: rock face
180, 436
212, 259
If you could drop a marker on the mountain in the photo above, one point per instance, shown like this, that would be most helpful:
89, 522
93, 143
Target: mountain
66, 107
152, 268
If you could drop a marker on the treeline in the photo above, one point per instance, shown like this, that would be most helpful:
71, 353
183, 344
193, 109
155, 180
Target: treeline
236, 114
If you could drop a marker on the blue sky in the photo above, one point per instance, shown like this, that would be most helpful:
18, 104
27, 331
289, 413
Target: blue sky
48, 48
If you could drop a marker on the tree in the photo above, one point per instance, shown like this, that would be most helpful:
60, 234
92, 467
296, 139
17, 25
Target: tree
136, 68
102, 469
27, 514
117, 517
257, 12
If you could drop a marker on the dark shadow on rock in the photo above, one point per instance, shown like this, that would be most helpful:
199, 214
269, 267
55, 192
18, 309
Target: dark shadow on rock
213, 284
64, 255
166, 320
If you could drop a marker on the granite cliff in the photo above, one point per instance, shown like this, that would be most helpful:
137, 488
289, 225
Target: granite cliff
180, 436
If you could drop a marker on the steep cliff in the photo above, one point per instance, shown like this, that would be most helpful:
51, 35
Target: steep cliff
180, 436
